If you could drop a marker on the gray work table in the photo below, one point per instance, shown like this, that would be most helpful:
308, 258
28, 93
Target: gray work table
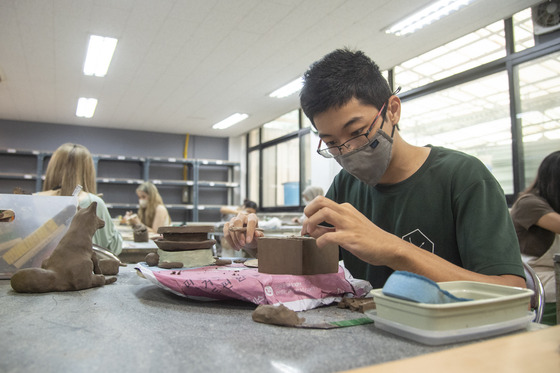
135, 326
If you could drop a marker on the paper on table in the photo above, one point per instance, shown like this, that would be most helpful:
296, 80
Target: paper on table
236, 281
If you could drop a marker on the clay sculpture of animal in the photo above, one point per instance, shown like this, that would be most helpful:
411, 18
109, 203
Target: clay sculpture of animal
72, 265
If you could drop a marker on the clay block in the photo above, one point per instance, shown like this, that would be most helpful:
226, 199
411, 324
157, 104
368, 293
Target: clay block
186, 229
296, 256
186, 233
140, 233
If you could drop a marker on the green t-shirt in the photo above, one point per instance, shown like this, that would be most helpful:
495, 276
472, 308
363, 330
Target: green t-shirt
107, 237
452, 206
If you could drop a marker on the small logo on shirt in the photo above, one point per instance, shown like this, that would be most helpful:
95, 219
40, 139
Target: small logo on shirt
417, 238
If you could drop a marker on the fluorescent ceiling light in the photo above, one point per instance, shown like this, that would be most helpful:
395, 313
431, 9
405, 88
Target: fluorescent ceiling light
86, 107
428, 15
230, 121
288, 89
99, 54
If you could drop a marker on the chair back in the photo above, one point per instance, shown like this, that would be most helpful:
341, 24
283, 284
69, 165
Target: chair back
537, 299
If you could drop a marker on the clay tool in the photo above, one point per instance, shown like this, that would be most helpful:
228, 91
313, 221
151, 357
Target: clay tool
331, 229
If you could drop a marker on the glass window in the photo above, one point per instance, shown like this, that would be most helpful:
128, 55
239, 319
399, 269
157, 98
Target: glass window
253, 171
474, 49
540, 111
523, 30
254, 137
305, 122
281, 126
385, 74
472, 117
281, 174
306, 161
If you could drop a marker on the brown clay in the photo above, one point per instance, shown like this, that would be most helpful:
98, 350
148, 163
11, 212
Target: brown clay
152, 259
140, 233
222, 262
296, 255
357, 304
108, 267
169, 265
277, 315
71, 265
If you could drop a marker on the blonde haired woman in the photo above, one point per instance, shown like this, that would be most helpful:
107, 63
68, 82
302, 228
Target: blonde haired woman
72, 165
152, 212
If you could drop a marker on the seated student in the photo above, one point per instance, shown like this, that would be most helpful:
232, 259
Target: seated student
152, 212
428, 210
307, 196
248, 207
536, 217
72, 165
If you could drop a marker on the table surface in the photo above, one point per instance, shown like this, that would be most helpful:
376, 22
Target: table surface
537, 351
133, 325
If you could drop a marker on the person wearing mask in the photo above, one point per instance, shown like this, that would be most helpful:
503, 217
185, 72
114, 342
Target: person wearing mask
536, 217
72, 165
152, 212
307, 196
429, 210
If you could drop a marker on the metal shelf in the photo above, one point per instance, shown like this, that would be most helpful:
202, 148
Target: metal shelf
195, 184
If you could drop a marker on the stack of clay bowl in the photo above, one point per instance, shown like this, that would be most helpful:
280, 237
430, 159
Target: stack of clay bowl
186, 246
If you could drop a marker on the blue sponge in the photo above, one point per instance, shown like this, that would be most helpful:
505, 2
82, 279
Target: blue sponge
416, 288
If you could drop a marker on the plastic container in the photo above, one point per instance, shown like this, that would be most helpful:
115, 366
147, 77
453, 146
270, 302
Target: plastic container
291, 193
490, 304
38, 224
441, 337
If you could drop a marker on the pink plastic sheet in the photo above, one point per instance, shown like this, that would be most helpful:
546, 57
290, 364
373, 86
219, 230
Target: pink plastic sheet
236, 281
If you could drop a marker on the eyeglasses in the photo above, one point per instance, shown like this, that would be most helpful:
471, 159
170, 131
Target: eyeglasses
355, 143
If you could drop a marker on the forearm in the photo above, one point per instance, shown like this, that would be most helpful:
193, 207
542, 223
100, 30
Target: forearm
226, 210
551, 222
411, 258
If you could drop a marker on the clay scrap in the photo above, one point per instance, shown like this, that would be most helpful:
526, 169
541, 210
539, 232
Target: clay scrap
72, 265
140, 233
295, 255
186, 246
277, 315
357, 304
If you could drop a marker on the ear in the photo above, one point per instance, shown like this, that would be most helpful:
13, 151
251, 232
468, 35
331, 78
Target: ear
93, 206
394, 110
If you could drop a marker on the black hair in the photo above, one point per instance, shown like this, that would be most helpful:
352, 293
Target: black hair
337, 78
250, 204
547, 183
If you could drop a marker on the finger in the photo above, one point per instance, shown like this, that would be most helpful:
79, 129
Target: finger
225, 231
329, 236
238, 237
318, 203
317, 221
320, 231
230, 237
252, 224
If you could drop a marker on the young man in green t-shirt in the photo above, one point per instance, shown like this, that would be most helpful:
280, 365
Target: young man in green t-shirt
394, 206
